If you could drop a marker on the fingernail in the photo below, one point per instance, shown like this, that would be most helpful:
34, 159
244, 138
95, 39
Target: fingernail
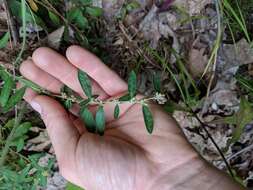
36, 107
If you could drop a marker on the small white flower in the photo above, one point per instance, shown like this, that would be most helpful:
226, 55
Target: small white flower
160, 98
133, 100
115, 101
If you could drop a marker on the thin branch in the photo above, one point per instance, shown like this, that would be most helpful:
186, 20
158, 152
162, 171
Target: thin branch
248, 148
136, 47
204, 126
11, 24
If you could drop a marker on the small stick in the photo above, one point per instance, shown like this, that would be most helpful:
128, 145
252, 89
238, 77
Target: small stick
11, 24
248, 148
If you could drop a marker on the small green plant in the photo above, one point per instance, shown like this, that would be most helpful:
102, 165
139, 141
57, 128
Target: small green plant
127, 8
69, 98
25, 173
97, 124
237, 13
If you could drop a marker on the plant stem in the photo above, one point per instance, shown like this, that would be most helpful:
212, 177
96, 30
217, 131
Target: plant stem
11, 24
204, 126
5, 150
23, 11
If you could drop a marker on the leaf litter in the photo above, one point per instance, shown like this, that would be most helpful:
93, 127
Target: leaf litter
190, 28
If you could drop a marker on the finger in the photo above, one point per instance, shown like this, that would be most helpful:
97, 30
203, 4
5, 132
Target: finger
105, 77
80, 126
57, 66
29, 95
63, 134
32, 72
109, 109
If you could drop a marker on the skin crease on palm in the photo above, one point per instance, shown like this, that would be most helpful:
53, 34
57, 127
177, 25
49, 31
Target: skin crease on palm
126, 157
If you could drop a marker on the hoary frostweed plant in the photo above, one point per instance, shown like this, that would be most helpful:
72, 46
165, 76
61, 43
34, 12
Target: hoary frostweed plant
94, 123
97, 124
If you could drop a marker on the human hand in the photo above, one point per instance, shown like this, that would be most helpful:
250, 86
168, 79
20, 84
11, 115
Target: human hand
126, 157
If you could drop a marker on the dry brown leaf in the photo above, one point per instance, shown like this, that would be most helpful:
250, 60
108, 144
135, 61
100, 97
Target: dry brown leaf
236, 55
197, 62
54, 38
193, 7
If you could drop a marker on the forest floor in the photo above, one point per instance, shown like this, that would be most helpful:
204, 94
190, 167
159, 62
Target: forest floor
201, 49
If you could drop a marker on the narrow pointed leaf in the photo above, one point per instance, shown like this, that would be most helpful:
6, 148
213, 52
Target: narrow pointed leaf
68, 104
132, 84
6, 91
125, 98
157, 83
4, 40
116, 112
14, 99
3, 74
148, 119
243, 117
88, 119
85, 83
71, 186
65, 89
94, 11
54, 18
100, 121
22, 130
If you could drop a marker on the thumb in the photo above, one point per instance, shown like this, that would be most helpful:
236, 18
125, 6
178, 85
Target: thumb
64, 136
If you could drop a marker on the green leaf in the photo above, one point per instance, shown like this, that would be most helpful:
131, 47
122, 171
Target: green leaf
86, 2
125, 98
71, 186
54, 18
245, 83
14, 99
68, 91
243, 117
88, 119
31, 85
4, 40
100, 120
94, 11
76, 16
6, 91
20, 144
148, 118
132, 84
22, 130
3, 74
132, 6
116, 112
9, 124
157, 83
85, 83
68, 104
17, 12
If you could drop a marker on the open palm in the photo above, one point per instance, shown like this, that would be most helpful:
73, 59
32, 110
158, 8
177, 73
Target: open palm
126, 157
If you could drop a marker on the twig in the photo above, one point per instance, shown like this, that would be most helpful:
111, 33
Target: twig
240, 152
136, 47
11, 24
204, 126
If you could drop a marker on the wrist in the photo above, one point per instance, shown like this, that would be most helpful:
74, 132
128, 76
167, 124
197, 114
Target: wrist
196, 174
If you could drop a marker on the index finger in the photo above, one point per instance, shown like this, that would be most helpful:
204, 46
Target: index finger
97, 70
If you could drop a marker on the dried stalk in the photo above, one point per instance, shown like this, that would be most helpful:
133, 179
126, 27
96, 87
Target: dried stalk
11, 24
